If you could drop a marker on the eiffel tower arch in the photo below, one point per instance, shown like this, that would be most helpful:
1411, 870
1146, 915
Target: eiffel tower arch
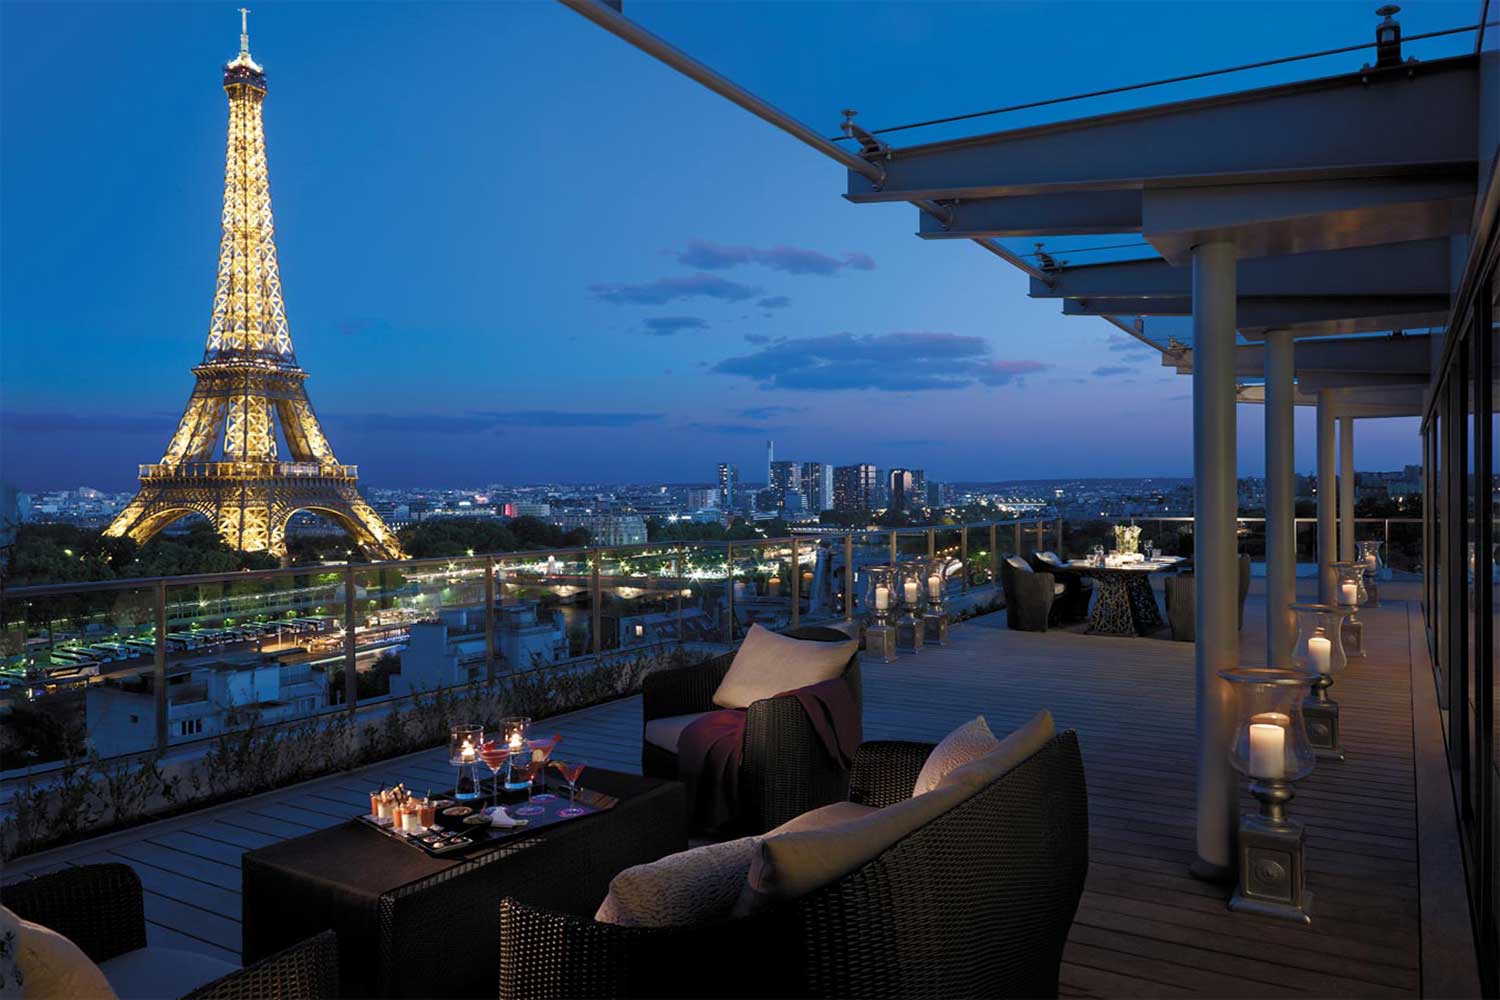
223, 460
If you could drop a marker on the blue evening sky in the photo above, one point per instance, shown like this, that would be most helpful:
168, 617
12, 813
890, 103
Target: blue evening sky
516, 249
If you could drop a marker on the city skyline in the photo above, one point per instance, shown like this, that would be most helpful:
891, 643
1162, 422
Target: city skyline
782, 312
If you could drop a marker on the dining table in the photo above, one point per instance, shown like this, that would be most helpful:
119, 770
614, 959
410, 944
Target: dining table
1124, 603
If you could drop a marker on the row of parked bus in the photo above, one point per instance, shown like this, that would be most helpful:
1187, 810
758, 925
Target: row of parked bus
98, 653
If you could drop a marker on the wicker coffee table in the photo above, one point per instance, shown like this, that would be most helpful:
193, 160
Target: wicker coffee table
411, 925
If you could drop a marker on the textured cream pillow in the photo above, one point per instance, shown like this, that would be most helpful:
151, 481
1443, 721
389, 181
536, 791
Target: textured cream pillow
1012, 750
789, 865
969, 741
768, 664
823, 817
691, 887
54, 968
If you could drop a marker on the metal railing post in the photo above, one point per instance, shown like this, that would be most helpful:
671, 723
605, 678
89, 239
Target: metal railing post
849, 577
796, 586
159, 667
596, 622
1017, 552
931, 542
729, 592
489, 619
1387, 555
351, 673
994, 556
963, 557
1060, 553
893, 546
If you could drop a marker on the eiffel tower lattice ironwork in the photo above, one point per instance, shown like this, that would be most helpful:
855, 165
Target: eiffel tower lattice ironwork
222, 462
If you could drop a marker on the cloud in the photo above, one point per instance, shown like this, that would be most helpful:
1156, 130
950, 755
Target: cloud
483, 420
708, 256
1107, 370
745, 430
664, 290
767, 412
666, 326
774, 302
893, 362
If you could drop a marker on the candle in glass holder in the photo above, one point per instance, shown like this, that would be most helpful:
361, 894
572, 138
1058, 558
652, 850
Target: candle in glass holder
934, 586
882, 598
1320, 648
467, 754
1349, 594
1267, 750
911, 591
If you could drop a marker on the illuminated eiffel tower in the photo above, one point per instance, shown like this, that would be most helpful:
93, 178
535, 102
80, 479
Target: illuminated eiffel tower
222, 462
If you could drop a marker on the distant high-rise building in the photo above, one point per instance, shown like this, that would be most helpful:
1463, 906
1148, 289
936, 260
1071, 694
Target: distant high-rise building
703, 499
770, 460
855, 487
782, 478
906, 489
729, 477
817, 486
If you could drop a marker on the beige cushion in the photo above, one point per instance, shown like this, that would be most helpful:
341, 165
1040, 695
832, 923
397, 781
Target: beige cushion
789, 865
1009, 752
691, 887
768, 664
968, 742
154, 973
667, 732
823, 817
54, 968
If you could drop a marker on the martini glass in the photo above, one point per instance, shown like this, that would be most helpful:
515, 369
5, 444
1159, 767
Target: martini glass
541, 752
571, 770
525, 770
494, 757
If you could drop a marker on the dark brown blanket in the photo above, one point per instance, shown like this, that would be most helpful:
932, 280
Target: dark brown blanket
711, 748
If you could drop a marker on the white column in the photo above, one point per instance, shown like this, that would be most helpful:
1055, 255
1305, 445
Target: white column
1216, 571
1281, 508
1346, 489
1327, 498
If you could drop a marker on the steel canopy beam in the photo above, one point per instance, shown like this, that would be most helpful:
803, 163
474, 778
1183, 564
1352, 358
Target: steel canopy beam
1404, 357
1395, 124
1085, 213
1415, 268
1379, 312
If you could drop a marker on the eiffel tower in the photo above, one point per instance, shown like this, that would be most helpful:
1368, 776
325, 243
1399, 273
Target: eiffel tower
222, 462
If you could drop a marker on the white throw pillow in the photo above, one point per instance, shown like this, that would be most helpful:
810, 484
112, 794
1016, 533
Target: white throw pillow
969, 741
769, 664
54, 968
1010, 752
691, 887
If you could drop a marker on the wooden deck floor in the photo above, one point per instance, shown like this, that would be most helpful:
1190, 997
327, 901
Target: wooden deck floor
1145, 927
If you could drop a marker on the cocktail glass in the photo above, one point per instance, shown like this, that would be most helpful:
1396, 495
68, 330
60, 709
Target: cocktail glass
571, 770
494, 755
525, 770
541, 752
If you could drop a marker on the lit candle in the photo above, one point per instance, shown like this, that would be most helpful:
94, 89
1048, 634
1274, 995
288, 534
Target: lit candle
911, 590
514, 743
1267, 750
775, 585
1370, 560
882, 598
1349, 594
466, 754
934, 587
1320, 648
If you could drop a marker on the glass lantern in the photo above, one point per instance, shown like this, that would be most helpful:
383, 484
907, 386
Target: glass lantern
935, 618
513, 735
880, 596
1321, 630
911, 584
1270, 741
1351, 585
464, 741
1369, 555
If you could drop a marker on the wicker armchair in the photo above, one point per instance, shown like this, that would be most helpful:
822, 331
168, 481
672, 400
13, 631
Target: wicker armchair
1182, 601
977, 903
1078, 590
1029, 595
100, 908
785, 770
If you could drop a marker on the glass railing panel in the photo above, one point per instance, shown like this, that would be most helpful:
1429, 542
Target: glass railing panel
947, 544
703, 571
762, 589
418, 626
1080, 535
546, 604
911, 543
1403, 553
868, 549
1250, 538
641, 594
253, 653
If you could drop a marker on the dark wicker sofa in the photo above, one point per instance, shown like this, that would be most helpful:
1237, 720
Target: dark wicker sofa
976, 903
100, 908
785, 769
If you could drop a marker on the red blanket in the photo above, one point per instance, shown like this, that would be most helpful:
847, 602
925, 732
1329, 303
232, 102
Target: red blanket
711, 748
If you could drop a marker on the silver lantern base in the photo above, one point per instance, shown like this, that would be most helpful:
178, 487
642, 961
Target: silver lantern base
909, 634
935, 626
880, 640
1273, 873
1320, 714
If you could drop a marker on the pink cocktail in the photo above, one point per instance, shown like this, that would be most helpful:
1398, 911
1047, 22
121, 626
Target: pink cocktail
571, 772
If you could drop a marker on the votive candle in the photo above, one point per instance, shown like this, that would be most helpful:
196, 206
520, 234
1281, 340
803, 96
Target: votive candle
882, 598
1320, 648
934, 586
1349, 594
911, 590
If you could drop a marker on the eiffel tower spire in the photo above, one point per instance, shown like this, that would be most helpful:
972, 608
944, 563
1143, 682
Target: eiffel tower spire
222, 462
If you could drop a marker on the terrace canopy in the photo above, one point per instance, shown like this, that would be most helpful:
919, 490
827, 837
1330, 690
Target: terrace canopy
1297, 244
